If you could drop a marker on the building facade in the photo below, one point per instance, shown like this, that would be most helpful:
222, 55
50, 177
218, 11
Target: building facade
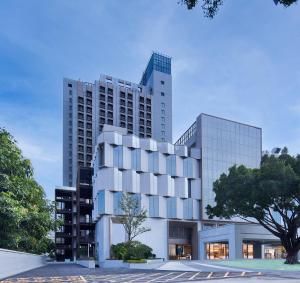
75, 238
144, 109
223, 143
165, 180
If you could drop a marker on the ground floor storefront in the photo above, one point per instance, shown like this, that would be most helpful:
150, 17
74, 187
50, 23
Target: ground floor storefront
239, 241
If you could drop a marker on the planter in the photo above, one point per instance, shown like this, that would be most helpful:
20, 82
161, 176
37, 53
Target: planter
86, 263
112, 263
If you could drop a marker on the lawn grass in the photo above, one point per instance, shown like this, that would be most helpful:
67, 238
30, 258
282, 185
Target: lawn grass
269, 264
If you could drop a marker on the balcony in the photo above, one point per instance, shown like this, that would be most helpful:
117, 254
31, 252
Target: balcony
63, 210
63, 234
87, 239
84, 201
63, 198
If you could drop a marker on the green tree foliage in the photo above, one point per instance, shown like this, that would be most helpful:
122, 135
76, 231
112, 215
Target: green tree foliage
211, 7
261, 195
133, 217
25, 213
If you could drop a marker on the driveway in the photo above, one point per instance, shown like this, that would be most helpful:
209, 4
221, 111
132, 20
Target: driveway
76, 273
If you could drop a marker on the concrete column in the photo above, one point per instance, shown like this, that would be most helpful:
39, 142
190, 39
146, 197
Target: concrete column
235, 248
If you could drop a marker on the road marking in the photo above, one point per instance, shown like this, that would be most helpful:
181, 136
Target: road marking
82, 278
226, 274
192, 277
159, 277
219, 267
209, 275
176, 276
243, 273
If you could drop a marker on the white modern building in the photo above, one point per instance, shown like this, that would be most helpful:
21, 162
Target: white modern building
144, 109
165, 180
174, 183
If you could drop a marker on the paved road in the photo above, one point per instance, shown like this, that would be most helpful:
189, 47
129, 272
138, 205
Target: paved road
75, 273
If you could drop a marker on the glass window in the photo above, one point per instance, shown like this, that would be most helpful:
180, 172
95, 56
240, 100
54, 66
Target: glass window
171, 165
136, 159
118, 156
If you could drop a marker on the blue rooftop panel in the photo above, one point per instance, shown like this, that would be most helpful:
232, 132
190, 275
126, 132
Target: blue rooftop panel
157, 62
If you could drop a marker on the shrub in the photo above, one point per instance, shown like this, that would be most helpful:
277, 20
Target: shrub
119, 251
131, 251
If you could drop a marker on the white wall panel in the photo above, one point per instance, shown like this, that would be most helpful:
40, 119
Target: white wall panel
196, 189
165, 147
181, 187
148, 183
181, 150
131, 181
148, 144
131, 141
165, 186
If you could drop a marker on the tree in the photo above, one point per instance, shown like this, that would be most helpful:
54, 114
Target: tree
211, 7
133, 217
26, 216
259, 195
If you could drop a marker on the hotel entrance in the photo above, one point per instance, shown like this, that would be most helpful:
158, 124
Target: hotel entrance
182, 240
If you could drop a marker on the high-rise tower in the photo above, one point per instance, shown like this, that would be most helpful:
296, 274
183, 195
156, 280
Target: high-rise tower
145, 109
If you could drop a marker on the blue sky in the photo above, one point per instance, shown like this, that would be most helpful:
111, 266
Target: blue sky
243, 65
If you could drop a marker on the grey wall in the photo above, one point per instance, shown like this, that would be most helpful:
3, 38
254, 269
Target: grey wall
13, 262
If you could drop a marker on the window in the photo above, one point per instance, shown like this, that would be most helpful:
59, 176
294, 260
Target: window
148, 116
162, 82
89, 126
136, 159
102, 97
163, 112
110, 107
163, 119
188, 167
80, 116
129, 104
69, 85
102, 89
88, 117
141, 99
129, 112
70, 92
163, 105
110, 91
129, 119
129, 95
89, 102
163, 133
80, 132
162, 94
80, 124
122, 109
148, 108
171, 165
189, 188
148, 101
89, 134
102, 112
163, 126
110, 121
118, 156
101, 156
80, 99
110, 99
88, 94
122, 94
